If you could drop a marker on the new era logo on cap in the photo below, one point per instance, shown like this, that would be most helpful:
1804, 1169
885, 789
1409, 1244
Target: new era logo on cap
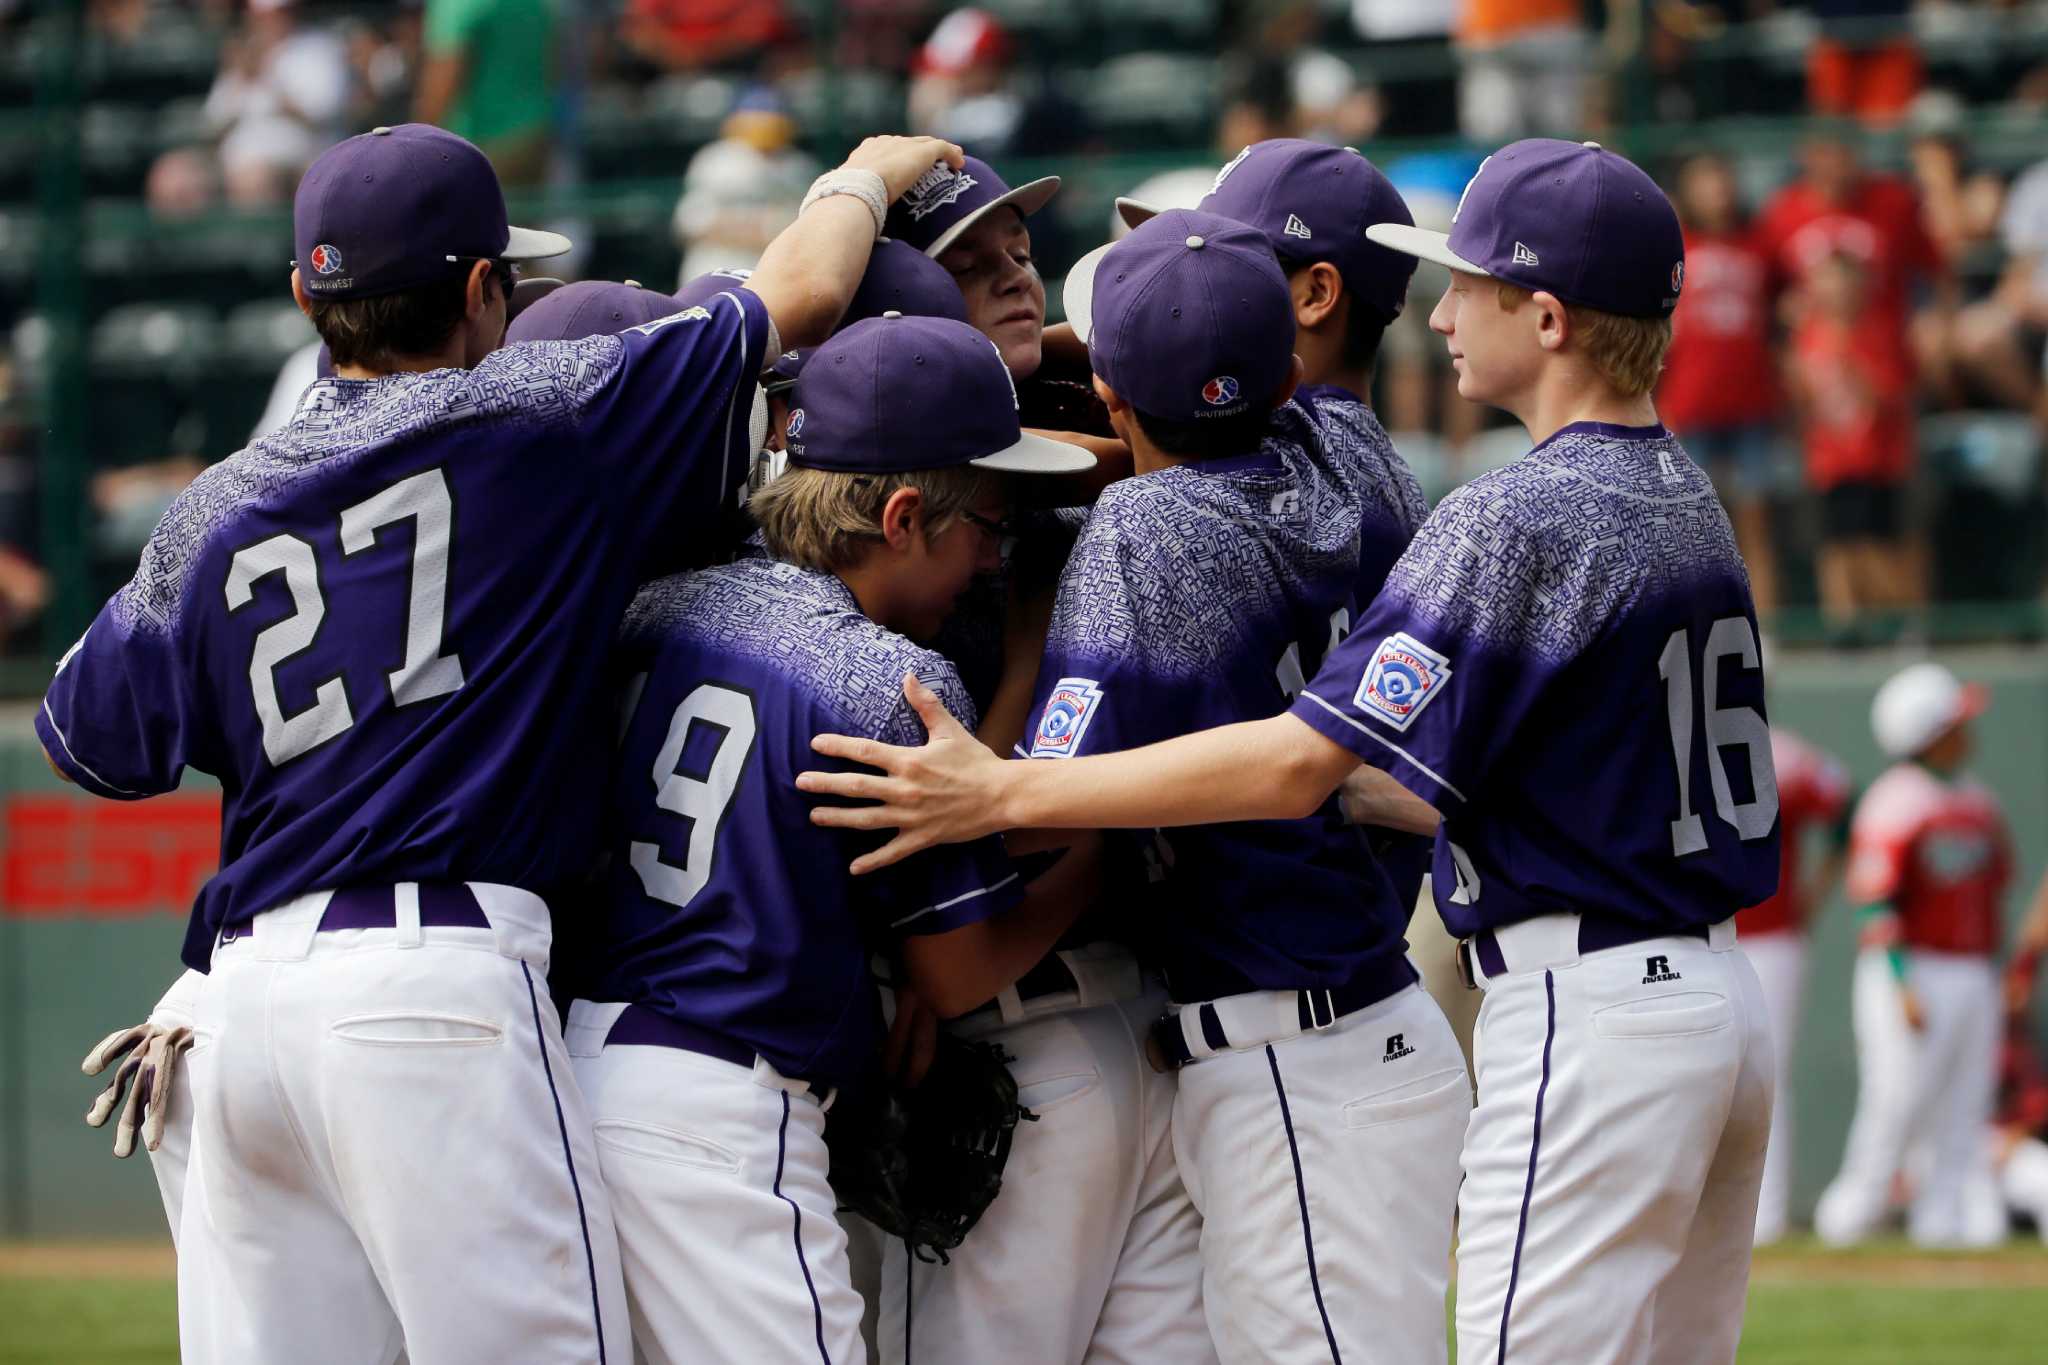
1296, 228
1524, 256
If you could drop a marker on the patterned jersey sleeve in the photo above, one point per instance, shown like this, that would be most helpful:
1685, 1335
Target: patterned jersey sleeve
1103, 685
953, 885
1432, 683
663, 408
118, 718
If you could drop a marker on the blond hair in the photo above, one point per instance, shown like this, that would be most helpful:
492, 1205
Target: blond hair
827, 520
1626, 352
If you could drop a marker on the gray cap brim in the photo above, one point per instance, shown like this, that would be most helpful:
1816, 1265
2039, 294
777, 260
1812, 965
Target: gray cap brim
1078, 293
1027, 199
1038, 455
1134, 212
533, 244
1422, 244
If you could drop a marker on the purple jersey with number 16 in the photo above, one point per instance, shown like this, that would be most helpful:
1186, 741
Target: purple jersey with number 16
1565, 663
382, 626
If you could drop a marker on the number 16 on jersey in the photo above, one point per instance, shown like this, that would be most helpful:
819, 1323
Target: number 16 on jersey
1725, 726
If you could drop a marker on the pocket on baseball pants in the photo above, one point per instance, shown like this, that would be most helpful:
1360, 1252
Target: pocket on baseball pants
1048, 1093
1423, 1095
416, 1029
1665, 1016
671, 1145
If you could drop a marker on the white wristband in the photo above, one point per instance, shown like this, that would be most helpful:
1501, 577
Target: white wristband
865, 186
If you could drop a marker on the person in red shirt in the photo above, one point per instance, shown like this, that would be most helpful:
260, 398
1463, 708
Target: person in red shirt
1857, 418
1929, 863
1720, 390
1813, 795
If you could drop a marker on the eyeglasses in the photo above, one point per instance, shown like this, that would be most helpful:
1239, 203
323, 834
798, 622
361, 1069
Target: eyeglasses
1004, 532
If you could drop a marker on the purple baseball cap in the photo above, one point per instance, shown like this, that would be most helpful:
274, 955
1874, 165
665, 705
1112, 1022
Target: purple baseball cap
701, 289
1314, 203
1188, 317
781, 376
902, 279
892, 395
394, 208
944, 203
1570, 218
590, 308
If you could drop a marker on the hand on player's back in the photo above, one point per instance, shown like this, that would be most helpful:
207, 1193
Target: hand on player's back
943, 792
900, 160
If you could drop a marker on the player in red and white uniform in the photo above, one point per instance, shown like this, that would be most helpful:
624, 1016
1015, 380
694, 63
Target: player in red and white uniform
1813, 794
1929, 863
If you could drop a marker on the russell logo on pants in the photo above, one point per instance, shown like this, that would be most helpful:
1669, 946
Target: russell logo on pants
1658, 969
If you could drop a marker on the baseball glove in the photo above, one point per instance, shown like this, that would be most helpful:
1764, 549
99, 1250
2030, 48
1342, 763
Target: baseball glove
923, 1164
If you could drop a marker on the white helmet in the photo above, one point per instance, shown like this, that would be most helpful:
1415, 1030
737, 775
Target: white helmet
1919, 704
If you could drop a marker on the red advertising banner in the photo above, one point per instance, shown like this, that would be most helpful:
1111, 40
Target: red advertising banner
70, 855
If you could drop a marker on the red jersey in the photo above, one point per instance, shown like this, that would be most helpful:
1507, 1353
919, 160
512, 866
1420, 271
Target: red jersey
1878, 223
1813, 791
1718, 372
1859, 414
1938, 853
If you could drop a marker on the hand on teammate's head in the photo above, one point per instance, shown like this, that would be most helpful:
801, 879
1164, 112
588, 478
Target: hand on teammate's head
901, 160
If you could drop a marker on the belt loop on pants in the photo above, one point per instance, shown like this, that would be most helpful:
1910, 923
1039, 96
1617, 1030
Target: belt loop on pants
405, 910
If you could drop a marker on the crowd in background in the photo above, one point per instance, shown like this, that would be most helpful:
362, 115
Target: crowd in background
1844, 290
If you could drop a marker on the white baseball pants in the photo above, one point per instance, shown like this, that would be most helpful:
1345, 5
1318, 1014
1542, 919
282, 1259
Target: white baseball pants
717, 1180
1614, 1157
1325, 1167
1091, 1252
1935, 1087
1780, 963
389, 1152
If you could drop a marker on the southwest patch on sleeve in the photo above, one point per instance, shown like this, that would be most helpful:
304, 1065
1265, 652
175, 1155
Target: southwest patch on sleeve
1073, 703
1404, 676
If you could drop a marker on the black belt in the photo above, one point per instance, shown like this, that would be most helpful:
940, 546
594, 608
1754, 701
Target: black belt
1594, 936
443, 905
639, 1024
1315, 1009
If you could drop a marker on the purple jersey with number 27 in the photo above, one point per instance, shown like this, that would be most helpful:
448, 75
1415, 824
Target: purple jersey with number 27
1565, 663
382, 628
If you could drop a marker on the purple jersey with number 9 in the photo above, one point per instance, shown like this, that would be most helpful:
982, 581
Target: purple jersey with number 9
1565, 663
383, 626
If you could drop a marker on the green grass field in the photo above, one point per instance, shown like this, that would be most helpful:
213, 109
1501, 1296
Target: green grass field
1885, 1304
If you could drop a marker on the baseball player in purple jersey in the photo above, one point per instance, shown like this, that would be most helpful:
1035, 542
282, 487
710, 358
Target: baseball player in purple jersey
371, 626
1321, 1094
733, 952
1564, 659
1314, 203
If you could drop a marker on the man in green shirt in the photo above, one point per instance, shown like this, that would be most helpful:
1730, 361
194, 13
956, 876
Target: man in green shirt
489, 77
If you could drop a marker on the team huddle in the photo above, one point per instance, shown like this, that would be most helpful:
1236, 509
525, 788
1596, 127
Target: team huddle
651, 724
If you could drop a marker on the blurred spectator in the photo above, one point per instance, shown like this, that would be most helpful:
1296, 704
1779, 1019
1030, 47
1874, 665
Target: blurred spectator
1421, 99
1999, 339
1959, 204
1524, 69
1330, 103
1857, 414
695, 35
489, 76
278, 102
1420, 389
1866, 63
1837, 206
1258, 103
131, 501
384, 59
744, 188
182, 183
963, 87
1719, 391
